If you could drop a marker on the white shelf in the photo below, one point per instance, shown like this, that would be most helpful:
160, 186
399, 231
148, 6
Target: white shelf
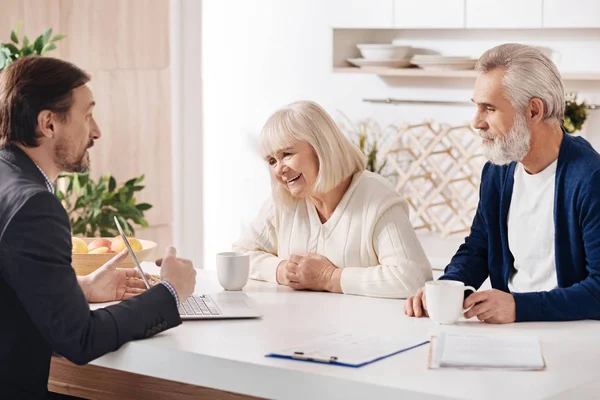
423, 73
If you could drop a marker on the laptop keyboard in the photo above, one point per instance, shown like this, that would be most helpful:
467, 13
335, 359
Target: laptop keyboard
198, 305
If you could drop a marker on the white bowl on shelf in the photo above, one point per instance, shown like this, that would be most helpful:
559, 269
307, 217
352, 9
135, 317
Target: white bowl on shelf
383, 51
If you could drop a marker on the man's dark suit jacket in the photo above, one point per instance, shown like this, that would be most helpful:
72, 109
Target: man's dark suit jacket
42, 307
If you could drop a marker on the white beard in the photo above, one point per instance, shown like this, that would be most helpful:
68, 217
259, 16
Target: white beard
512, 147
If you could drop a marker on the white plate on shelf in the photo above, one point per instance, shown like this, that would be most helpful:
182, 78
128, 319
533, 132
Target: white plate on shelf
442, 63
365, 63
447, 66
439, 58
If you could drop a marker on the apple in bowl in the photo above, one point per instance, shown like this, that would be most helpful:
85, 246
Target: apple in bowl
99, 246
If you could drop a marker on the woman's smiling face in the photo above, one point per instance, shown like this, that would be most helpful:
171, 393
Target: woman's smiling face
295, 168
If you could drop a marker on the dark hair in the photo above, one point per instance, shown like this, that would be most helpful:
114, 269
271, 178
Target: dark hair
30, 85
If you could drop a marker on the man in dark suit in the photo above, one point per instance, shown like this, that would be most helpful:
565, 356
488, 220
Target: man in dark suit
46, 127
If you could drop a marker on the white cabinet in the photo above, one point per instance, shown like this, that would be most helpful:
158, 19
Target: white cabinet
504, 14
571, 14
429, 14
360, 13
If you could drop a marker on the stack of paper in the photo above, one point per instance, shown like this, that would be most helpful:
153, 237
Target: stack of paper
476, 351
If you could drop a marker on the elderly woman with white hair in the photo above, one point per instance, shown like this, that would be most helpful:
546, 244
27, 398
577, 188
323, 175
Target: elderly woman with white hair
330, 224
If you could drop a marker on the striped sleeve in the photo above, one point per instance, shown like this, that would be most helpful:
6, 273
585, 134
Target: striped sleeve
403, 266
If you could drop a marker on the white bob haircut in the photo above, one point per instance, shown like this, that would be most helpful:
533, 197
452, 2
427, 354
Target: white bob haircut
529, 74
306, 121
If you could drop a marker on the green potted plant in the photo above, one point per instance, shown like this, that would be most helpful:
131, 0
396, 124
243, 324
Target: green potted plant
575, 113
9, 52
370, 137
91, 205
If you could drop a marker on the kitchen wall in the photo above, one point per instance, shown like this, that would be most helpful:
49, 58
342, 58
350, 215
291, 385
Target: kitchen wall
260, 55
124, 45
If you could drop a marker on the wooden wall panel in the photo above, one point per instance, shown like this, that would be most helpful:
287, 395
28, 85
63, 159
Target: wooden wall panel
116, 34
160, 234
132, 112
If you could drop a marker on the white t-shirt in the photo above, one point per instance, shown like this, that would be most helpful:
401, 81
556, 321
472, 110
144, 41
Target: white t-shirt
531, 231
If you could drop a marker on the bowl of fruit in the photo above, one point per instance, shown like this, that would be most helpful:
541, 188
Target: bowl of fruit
91, 253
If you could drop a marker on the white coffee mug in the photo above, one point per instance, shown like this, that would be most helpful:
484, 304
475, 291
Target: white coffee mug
444, 300
233, 269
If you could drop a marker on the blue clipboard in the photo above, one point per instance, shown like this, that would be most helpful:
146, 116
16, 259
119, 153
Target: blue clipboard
334, 360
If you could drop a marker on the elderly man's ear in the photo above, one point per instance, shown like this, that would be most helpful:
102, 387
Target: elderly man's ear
535, 110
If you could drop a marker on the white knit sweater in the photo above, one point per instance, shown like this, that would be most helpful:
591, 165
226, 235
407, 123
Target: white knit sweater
369, 235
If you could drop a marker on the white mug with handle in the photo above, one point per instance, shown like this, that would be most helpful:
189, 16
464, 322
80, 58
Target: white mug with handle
444, 300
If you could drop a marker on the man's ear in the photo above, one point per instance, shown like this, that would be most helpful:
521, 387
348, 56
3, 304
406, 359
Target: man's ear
536, 110
46, 124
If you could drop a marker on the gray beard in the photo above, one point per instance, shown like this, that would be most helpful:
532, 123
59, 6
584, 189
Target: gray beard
512, 147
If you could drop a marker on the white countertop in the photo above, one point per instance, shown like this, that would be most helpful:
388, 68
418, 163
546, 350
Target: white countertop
230, 354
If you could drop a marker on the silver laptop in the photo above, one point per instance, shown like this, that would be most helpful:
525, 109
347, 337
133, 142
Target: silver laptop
225, 305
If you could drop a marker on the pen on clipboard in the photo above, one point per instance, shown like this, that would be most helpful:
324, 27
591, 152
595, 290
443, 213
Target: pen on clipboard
301, 356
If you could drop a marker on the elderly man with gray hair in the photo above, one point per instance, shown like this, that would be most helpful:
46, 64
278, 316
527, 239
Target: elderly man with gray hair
536, 232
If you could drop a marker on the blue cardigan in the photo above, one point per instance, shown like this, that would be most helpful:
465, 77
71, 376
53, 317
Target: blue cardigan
577, 238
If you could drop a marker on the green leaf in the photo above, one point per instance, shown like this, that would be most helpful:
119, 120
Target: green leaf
143, 206
13, 49
48, 47
130, 229
381, 167
131, 182
112, 184
25, 42
79, 226
3, 59
76, 185
19, 26
70, 186
58, 37
14, 38
46, 35
83, 179
97, 204
81, 202
38, 45
100, 189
